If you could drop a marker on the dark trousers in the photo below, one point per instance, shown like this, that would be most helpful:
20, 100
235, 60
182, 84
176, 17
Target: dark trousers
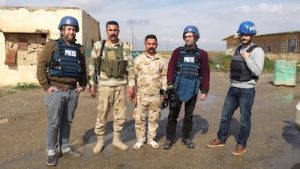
187, 121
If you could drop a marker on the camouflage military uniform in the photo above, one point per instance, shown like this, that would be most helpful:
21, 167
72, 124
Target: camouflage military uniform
112, 90
150, 73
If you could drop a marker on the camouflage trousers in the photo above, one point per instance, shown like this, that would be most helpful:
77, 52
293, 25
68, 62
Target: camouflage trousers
152, 105
111, 98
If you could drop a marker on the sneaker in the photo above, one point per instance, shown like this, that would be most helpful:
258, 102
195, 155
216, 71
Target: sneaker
153, 143
137, 145
239, 150
215, 143
72, 153
51, 160
168, 144
188, 143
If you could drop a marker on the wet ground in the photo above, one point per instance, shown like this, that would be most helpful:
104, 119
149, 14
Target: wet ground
274, 142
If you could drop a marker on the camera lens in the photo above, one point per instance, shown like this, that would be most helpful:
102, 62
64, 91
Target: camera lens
172, 97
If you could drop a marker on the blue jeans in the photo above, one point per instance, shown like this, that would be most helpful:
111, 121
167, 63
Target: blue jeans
237, 97
61, 106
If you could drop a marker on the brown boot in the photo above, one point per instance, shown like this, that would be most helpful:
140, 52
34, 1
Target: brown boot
118, 143
215, 143
239, 150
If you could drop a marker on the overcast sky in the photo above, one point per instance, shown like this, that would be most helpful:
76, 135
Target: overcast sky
215, 19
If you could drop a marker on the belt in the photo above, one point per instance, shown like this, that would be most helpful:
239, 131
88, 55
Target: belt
63, 86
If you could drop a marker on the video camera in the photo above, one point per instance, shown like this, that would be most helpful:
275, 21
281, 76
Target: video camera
165, 102
170, 98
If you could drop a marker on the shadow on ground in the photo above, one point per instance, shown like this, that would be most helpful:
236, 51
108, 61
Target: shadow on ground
296, 166
291, 134
128, 134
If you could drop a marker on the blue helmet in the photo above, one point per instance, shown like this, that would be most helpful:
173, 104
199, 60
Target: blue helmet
247, 27
68, 20
192, 29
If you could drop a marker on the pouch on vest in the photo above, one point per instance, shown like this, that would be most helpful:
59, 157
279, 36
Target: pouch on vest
114, 64
118, 69
186, 87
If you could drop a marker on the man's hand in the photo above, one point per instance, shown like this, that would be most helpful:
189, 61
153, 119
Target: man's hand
79, 89
162, 98
131, 91
52, 89
133, 100
170, 92
92, 91
131, 94
164, 102
170, 89
203, 96
245, 54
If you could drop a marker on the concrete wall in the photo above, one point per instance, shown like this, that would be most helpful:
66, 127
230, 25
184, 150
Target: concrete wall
274, 45
278, 43
36, 21
2, 59
27, 48
231, 45
90, 32
31, 19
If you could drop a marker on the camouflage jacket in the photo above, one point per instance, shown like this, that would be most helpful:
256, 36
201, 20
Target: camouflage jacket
150, 74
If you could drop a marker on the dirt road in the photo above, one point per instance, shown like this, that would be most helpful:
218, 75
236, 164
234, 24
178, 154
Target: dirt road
274, 142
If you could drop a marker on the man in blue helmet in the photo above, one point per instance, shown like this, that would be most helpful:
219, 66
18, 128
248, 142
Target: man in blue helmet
61, 71
188, 71
246, 66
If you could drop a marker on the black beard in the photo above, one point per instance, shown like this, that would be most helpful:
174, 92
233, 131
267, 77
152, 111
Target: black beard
189, 47
151, 49
69, 40
247, 43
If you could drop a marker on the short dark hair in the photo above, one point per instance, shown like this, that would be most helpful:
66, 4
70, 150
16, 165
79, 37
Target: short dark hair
112, 23
151, 36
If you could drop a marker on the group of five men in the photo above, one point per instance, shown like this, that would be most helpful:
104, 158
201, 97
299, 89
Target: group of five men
61, 71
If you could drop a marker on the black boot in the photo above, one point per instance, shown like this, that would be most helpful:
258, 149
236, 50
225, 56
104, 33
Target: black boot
188, 143
168, 144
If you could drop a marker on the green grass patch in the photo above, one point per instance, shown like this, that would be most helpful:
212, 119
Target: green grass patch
221, 62
269, 65
24, 86
218, 61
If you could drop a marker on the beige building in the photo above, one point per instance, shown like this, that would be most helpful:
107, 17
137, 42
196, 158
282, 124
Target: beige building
275, 45
24, 32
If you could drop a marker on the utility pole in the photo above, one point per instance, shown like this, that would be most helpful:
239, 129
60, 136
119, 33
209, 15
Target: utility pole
168, 45
132, 36
136, 44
